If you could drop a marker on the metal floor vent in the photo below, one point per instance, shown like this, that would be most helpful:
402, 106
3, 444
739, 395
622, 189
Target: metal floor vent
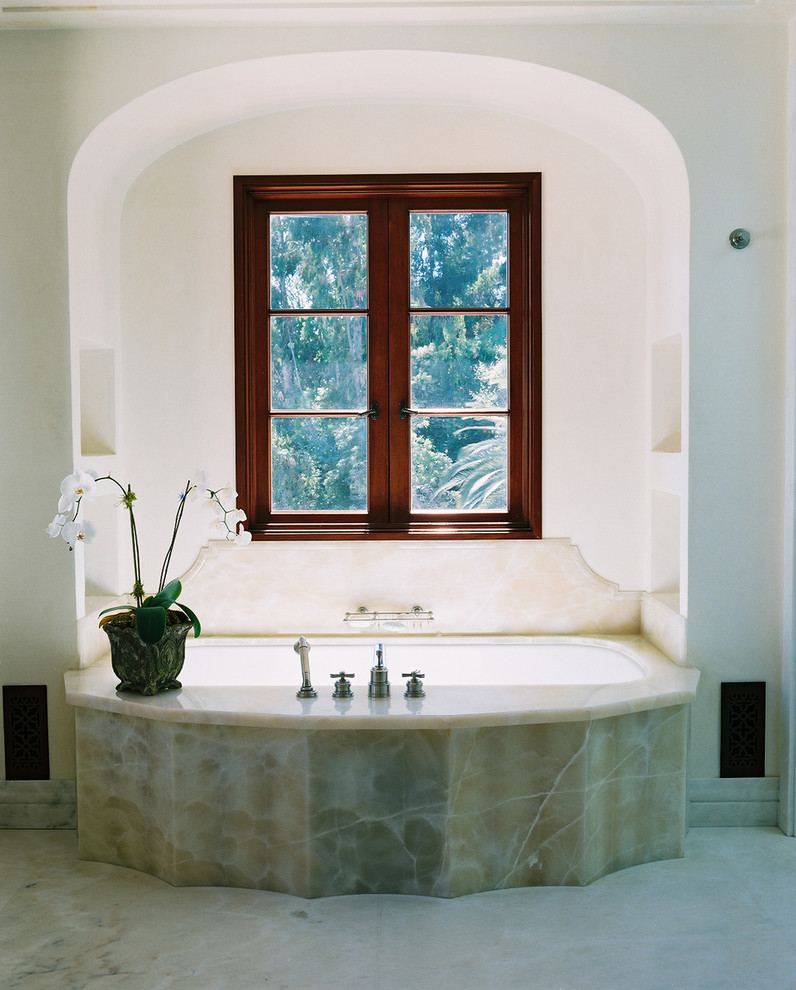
25, 732
743, 729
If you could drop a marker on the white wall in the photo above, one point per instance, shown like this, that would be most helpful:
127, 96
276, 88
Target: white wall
721, 93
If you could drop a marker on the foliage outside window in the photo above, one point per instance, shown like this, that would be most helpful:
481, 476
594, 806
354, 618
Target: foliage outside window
388, 357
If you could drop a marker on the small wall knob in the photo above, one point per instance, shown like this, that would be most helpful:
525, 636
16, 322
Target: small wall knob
740, 238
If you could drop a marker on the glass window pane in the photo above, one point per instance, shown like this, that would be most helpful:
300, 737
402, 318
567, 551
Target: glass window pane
458, 260
319, 262
458, 361
459, 462
319, 464
319, 362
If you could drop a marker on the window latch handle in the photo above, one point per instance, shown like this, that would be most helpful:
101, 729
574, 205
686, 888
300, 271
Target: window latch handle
372, 413
406, 411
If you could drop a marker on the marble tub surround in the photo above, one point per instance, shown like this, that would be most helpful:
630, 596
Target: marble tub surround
496, 586
234, 781
472, 788
473, 587
432, 812
663, 626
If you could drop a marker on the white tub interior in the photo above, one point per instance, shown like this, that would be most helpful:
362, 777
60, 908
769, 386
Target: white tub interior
524, 660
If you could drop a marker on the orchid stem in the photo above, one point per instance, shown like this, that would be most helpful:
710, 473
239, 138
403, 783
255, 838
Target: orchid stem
138, 590
177, 520
128, 497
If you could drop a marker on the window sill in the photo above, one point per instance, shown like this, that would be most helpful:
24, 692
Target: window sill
425, 531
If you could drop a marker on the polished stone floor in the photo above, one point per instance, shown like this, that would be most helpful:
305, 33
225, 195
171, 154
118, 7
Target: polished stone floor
723, 918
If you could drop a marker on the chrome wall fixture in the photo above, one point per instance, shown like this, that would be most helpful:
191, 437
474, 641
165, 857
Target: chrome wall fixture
364, 618
740, 238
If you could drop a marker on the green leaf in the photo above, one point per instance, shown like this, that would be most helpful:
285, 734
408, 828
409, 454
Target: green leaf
167, 597
171, 591
150, 621
116, 608
197, 629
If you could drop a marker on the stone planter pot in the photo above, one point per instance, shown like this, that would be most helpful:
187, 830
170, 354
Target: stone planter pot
143, 668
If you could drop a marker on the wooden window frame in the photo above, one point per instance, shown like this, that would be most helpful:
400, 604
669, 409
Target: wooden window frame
388, 515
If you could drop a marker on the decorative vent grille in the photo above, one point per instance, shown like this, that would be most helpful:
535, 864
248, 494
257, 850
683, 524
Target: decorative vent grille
25, 732
743, 729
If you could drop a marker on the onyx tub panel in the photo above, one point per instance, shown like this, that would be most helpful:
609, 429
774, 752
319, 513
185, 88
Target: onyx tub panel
472, 788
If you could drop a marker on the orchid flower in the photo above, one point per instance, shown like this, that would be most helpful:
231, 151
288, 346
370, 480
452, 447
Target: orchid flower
55, 527
197, 487
78, 532
218, 526
217, 509
243, 536
76, 486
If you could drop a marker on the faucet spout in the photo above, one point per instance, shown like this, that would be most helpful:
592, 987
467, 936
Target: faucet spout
379, 686
302, 647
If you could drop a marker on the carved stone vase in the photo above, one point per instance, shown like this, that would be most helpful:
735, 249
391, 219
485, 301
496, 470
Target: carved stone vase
148, 669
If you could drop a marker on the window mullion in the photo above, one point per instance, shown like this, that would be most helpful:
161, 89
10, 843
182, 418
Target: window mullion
398, 392
378, 364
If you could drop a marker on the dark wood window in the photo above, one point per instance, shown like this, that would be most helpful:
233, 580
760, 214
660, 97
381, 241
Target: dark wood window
388, 355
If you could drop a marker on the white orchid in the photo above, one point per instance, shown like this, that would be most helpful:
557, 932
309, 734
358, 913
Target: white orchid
217, 510
55, 527
217, 527
243, 536
76, 486
225, 519
197, 487
150, 611
78, 532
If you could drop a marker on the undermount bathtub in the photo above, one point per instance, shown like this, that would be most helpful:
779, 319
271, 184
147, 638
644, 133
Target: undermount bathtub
531, 760
465, 661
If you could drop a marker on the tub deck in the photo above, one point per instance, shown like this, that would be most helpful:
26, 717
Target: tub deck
455, 692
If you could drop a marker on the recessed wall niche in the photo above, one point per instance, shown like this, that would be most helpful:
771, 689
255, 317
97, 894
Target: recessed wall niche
667, 495
667, 394
97, 402
665, 543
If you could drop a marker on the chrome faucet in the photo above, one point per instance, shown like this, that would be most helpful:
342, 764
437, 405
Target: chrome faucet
379, 686
302, 647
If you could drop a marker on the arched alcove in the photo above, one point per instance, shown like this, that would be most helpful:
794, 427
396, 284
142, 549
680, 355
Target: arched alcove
126, 143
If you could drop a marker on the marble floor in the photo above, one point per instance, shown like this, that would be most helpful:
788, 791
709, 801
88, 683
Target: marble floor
724, 917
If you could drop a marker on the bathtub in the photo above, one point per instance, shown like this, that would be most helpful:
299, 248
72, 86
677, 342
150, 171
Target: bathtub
463, 661
531, 760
